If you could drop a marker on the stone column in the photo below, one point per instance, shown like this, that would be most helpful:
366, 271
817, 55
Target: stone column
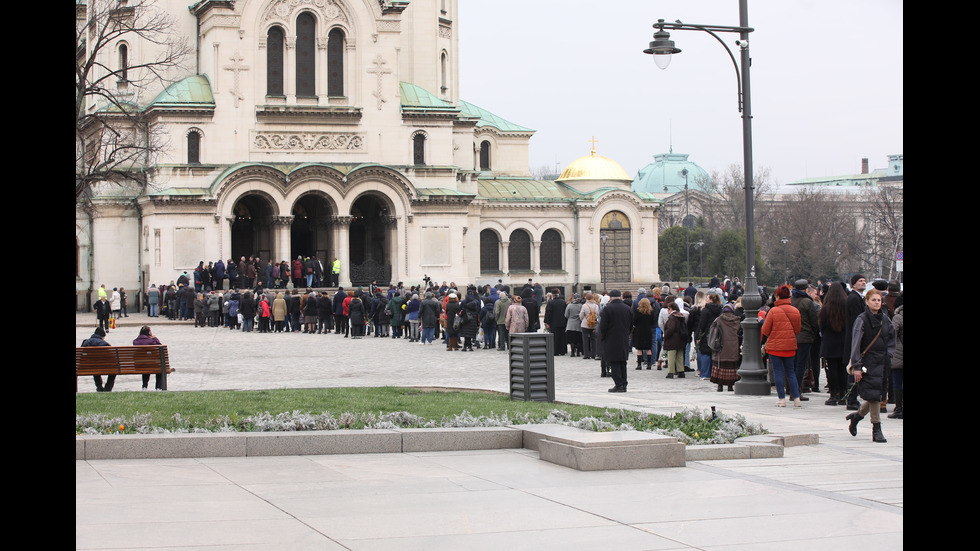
505, 257
342, 223
281, 227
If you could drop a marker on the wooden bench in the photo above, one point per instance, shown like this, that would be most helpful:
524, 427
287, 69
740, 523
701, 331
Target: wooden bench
122, 360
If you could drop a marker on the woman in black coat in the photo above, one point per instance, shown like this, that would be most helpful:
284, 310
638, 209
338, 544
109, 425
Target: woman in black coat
872, 346
453, 310
471, 321
357, 314
533, 310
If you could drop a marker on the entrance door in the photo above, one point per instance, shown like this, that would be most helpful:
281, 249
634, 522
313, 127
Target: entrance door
370, 241
614, 250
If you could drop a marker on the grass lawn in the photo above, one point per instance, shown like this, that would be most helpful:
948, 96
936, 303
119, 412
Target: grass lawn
130, 412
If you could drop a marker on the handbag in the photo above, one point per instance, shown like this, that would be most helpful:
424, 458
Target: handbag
458, 322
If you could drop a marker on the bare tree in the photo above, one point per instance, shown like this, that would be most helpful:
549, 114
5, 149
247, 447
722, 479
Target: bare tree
808, 233
729, 188
113, 137
883, 229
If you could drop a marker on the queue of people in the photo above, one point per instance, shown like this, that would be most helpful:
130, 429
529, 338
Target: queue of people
851, 333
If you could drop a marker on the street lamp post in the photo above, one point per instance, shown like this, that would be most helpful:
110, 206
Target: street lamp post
752, 372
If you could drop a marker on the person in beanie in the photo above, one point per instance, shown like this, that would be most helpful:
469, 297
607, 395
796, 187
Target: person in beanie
98, 339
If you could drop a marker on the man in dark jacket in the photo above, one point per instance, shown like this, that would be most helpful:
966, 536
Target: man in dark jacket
554, 321
615, 324
808, 331
855, 307
98, 339
338, 310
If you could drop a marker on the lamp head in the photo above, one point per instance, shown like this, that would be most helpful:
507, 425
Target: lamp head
662, 46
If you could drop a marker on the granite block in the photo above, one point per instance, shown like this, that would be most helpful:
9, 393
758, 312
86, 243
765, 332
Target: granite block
323, 442
454, 439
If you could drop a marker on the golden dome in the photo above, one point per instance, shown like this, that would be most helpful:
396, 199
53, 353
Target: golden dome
594, 167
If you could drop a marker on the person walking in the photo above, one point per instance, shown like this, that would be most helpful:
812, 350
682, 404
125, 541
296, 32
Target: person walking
780, 329
710, 310
872, 345
615, 326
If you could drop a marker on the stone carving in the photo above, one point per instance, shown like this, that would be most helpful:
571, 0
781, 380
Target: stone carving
327, 141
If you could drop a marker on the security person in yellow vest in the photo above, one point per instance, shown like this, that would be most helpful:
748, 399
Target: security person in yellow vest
335, 273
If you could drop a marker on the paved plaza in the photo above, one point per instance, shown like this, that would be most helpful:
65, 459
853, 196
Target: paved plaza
843, 492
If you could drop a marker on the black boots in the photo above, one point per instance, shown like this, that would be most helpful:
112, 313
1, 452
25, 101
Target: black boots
897, 412
876, 435
855, 419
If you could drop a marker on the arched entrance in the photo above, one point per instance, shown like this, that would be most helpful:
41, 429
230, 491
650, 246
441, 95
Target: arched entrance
251, 232
614, 248
370, 241
310, 231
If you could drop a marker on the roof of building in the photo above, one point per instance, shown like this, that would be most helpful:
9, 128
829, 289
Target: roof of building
193, 90
594, 167
666, 174
416, 98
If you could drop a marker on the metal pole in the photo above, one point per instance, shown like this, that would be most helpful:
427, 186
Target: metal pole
752, 372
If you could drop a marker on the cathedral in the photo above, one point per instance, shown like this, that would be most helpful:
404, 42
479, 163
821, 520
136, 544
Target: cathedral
337, 128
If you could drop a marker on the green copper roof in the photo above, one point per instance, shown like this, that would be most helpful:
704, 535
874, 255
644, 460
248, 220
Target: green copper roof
193, 90
486, 118
416, 97
521, 189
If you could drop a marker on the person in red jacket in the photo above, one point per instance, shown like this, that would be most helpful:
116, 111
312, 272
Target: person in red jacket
782, 324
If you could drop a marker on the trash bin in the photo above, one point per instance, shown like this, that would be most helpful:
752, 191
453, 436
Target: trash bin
531, 367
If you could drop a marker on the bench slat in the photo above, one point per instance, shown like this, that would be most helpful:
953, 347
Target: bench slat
122, 360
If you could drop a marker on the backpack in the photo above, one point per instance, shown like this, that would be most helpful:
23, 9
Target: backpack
715, 338
593, 318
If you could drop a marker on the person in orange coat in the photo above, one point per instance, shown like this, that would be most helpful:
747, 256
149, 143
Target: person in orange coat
782, 324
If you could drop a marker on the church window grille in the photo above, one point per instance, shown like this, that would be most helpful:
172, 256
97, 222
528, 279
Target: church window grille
485, 155
305, 55
335, 63
274, 62
489, 252
551, 250
418, 148
519, 251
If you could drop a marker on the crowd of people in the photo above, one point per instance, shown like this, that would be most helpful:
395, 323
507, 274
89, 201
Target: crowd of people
851, 333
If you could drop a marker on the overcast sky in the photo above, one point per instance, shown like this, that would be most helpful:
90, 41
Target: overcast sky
826, 82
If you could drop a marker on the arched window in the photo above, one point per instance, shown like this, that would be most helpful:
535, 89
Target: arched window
445, 71
274, 63
489, 252
519, 252
305, 55
485, 155
335, 63
551, 250
193, 147
123, 62
418, 148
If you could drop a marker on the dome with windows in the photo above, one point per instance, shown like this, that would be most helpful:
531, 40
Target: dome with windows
594, 167
667, 175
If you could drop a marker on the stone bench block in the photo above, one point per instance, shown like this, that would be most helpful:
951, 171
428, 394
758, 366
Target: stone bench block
456, 439
711, 452
598, 451
533, 433
156, 446
323, 442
